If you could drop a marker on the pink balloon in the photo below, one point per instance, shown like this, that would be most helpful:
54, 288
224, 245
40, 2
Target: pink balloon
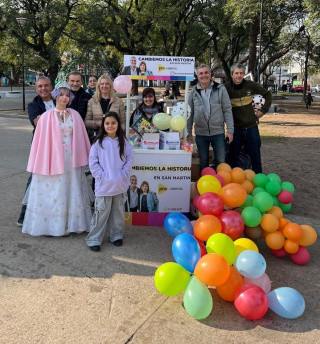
251, 301
122, 84
263, 282
210, 203
279, 253
195, 201
232, 224
221, 180
302, 257
208, 171
285, 197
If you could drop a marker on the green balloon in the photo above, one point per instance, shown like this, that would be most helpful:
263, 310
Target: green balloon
257, 190
276, 201
260, 179
222, 244
263, 201
247, 202
197, 299
287, 186
274, 178
285, 207
273, 188
171, 279
162, 121
251, 216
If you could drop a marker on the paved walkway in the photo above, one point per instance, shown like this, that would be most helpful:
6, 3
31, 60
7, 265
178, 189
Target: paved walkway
55, 290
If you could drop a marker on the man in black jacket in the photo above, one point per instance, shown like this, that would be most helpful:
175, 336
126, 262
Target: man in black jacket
80, 101
40, 104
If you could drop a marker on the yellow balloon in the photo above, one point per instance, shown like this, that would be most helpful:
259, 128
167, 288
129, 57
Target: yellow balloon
162, 121
178, 123
244, 244
208, 183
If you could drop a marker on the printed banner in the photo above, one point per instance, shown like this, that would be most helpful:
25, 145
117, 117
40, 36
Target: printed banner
171, 68
168, 177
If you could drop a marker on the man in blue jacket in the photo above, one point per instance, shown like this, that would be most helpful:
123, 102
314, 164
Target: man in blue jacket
40, 104
211, 115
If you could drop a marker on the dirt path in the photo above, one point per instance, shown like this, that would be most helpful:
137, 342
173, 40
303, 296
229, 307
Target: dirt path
291, 149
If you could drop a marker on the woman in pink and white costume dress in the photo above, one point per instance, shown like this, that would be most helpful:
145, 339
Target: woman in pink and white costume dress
59, 196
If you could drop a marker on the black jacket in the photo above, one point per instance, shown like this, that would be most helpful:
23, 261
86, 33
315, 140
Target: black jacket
36, 108
80, 102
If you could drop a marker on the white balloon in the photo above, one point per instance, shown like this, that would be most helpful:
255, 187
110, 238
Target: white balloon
178, 109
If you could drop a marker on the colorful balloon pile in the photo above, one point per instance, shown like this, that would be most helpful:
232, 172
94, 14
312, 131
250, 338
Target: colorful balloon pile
235, 269
210, 251
259, 202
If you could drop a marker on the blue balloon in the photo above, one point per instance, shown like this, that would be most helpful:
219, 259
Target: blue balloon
186, 251
250, 264
286, 302
177, 223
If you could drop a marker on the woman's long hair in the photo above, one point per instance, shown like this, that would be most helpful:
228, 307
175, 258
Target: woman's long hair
97, 95
120, 134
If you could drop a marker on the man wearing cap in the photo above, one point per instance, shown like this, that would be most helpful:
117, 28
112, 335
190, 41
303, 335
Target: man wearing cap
81, 97
40, 104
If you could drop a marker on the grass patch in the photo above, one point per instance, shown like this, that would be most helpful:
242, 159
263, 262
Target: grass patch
268, 136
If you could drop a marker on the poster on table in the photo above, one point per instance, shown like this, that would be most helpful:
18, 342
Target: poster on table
168, 176
172, 68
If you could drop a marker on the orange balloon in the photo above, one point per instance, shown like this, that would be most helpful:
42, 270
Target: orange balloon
293, 231
249, 175
227, 290
309, 236
224, 167
276, 211
282, 223
291, 246
233, 195
206, 226
226, 175
269, 223
212, 269
275, 240
248, 186
237, 175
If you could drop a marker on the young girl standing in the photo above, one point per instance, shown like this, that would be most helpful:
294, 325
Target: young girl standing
110, 162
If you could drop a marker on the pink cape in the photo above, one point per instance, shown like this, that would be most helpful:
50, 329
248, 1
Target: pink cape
46, 154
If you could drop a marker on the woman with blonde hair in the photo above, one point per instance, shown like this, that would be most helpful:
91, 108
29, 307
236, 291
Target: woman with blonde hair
102, 102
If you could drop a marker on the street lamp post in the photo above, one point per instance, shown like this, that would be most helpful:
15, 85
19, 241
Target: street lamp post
259, 59
22, 22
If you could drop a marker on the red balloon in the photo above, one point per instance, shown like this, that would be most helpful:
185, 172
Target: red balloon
220, 178
251, 301
302, 257
195, 201
210, 203
203, 249
208, 170
285, 197
279, 253
232, 224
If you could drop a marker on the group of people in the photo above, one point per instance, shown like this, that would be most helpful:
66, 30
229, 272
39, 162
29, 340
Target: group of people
74, 127
225, 112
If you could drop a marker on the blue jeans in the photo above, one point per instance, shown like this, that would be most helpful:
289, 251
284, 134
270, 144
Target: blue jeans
250, 139
24, 206
218, 145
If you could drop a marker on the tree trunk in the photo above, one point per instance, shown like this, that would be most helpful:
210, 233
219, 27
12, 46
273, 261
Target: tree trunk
305, 81
253, 39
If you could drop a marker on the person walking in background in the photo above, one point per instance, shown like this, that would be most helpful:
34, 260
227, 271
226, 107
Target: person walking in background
149, 106
148, 199
308, 100
40, 104
210, 112
58, 198
110, 162
246, 119
81, 97
133, 194
92, 82
132, 70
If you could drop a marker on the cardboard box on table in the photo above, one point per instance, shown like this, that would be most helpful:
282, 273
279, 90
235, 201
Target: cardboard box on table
150, 141
169, 141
